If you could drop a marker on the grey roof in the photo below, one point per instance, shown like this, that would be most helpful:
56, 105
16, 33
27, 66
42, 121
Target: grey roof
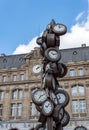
12, 61
75, 54
67, 55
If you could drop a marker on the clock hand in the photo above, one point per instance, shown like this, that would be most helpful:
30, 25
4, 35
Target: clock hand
37, 68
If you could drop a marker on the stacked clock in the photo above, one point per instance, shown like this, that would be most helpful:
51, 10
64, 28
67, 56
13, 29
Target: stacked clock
51, 99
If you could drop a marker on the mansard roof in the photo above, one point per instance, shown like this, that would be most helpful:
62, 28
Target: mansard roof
67, 55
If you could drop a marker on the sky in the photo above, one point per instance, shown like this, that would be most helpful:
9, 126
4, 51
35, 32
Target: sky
22, 21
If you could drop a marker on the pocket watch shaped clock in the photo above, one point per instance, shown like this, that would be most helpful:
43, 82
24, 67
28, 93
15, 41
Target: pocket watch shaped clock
59, 29
37, 69
47, 108
66, 118
39, 96
39, 40
63, 97
52, 54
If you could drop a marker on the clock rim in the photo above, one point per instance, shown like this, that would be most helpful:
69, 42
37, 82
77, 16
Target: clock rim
36, 101
51, 59
39, 70
58, 32
66, 95
48, 114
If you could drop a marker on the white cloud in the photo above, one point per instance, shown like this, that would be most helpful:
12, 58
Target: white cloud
79, 34
26, 48
79, 16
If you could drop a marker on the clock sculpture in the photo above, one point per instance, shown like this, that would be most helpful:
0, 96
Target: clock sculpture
50, 99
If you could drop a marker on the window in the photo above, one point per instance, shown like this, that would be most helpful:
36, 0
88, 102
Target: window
80, 72
72, 72
14, 77
78, 106
82, 106
33, 111
1, 95
19, 109
1, 109
14, 95
75, 106
13, 109
4, 78
77, 90
22, 77
74, 90
16, 109
17, 94
20, 94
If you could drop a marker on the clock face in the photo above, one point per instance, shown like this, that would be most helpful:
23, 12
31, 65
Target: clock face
63, 97
36, 69
39, 96
47, 108
52, 54
60, 29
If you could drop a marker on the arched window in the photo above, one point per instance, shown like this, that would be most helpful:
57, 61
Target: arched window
77, 90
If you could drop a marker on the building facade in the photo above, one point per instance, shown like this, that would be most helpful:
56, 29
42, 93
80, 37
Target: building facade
19, 77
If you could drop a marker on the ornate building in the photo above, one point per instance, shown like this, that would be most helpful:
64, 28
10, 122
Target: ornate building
21, 74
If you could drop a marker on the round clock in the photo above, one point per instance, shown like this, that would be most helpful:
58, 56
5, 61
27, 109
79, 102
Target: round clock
36, 69
52, 54
63, 97
47, 108
66, 118
59, 29
39, 96
39, 40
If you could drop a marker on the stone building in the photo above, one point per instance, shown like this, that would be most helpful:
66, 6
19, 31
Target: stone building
18, 77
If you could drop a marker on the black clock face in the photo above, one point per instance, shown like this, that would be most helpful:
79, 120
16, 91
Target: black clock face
39, 96
47, 108
59, 29
52, 54
63, 97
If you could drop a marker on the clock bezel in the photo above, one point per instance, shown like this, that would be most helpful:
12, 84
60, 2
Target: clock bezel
66, 97
52, 107
34, 69
37, 102
50, 58
60, 32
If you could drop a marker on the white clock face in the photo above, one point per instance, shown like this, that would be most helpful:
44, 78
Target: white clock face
39, 96
61, 98
59, 28
36, 69
53, 54
47, 107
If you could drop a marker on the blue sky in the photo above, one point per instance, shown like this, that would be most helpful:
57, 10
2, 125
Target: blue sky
22, 21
